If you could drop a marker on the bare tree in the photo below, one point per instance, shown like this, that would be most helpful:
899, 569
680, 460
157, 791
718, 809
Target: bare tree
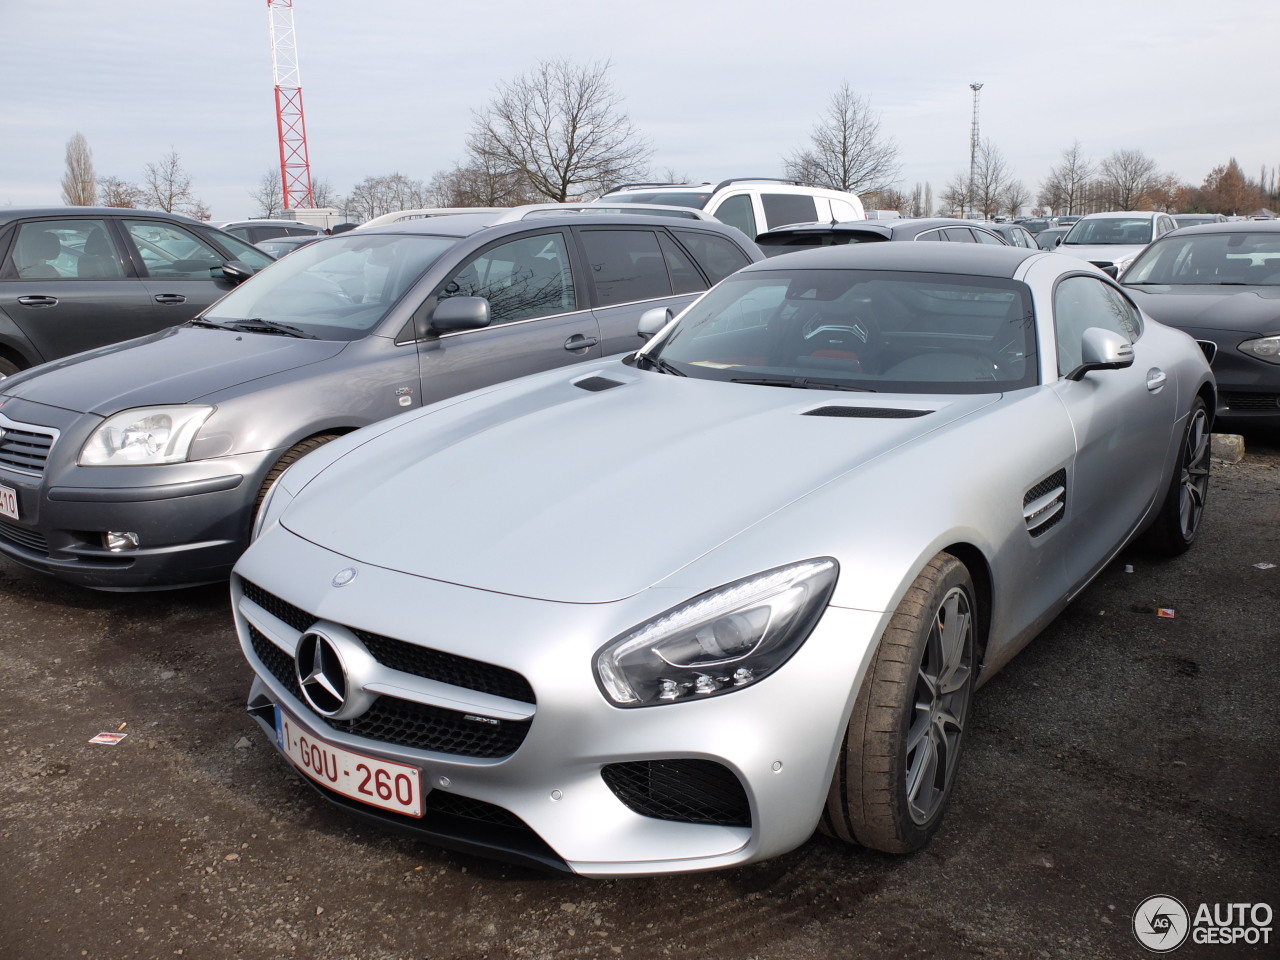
955, 199
560, 129
846, 150
166, 186
374, 196
1067, 186
1014, 197
270, 195
1229, 191
323, 195
480, 183
990, 180
115, 192
1127, 178
79, 186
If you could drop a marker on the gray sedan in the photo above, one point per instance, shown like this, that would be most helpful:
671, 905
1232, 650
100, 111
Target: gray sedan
673, 611
139, 465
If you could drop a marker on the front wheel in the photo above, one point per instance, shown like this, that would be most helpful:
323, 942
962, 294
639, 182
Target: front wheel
1180, 514
901, 751
7, 368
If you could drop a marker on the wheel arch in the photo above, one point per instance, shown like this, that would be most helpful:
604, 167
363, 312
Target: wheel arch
980, 572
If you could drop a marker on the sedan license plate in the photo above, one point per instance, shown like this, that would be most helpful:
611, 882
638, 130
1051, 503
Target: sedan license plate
379, 783
8, 502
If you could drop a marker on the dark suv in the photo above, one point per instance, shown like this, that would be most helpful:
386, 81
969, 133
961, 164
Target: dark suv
75, 278
140, 465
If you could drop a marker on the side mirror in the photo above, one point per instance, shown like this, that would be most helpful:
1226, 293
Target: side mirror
459, 313
1102, 350
237, 271
651, 321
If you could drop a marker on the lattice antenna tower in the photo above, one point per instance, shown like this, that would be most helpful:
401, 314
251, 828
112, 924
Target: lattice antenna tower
295, 166
973, 141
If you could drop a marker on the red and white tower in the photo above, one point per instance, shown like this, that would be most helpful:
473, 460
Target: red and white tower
295, 167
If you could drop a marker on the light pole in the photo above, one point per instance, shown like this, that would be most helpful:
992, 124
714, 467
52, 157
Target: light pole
973, 142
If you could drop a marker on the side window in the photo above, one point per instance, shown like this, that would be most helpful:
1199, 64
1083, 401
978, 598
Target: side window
843, 210
984, 237
958, 235
524, 278
736, 212
717, 256
685, 277
1083, 302
931, 235
783, 208
169, 251
626, 265
64, 249
245, 252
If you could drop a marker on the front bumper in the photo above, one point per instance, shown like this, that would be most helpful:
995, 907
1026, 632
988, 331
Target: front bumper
584, 786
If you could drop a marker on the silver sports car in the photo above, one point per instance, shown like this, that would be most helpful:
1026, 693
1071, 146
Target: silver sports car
676, 610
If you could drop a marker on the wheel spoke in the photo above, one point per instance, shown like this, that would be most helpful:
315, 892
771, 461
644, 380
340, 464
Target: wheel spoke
920, 778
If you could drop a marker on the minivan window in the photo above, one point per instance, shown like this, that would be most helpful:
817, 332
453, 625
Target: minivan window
626, 265
522, 279
736, 211
717, 256
783, 208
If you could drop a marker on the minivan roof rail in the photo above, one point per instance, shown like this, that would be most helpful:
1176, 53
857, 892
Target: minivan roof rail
797, 183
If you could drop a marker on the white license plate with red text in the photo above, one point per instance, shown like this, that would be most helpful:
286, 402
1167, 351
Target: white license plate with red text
379, 783
8, 502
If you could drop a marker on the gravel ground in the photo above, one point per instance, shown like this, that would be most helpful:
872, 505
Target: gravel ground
1122, 755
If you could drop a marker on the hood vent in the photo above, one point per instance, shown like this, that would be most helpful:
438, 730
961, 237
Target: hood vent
1044, 504
867, 413
596, 384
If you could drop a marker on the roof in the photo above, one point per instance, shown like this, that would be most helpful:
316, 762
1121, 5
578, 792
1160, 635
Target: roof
465, 224
1229, 227
977, 259
8, 214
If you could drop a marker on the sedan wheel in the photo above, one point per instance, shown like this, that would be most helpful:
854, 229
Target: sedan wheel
1179, 519
902, 749
7, 368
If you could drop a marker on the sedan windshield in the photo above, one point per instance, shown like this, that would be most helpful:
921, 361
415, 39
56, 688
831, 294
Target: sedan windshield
856, 330
1127, 230
1231, 259
337, 288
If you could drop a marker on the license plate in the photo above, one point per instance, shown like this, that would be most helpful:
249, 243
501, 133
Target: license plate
8, 502
379, 783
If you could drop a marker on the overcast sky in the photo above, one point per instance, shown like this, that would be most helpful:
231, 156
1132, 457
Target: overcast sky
720, 88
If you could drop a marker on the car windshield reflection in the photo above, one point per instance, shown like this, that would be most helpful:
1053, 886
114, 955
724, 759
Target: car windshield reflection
1210, 259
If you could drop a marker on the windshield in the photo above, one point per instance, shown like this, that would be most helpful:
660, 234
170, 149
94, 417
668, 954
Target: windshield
337, 288
1251, 259
856, 330
1104, 230
681, 199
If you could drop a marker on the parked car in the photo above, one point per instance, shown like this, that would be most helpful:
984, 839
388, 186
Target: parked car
1049, 238
75, 278
277, 247
1197, 219
1110, 241
545, 209
1220, 283
1014, 234
139, 466
1034, 225
572, 658
1068, 221
752, 204
803, 236
254, 231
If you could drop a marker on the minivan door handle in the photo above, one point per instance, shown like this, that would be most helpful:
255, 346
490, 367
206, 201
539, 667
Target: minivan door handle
170, 298
579, 342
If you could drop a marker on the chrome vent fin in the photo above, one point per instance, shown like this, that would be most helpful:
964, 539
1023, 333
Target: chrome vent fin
1044, 504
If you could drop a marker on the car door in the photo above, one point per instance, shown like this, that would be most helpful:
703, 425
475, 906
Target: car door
1122, 420
182, 272
539, 317
65, 286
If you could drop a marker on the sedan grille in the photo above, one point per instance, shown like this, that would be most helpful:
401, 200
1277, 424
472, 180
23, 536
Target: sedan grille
685, 791
25, 449
1044, 504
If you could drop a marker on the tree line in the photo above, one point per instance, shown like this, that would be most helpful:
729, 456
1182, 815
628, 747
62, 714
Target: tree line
559, 133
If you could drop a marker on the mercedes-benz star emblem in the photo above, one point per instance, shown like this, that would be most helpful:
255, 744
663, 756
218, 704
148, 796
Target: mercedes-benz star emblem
343, 576
321, 674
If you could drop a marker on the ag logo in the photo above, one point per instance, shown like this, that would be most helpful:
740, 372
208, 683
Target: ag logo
1161, 924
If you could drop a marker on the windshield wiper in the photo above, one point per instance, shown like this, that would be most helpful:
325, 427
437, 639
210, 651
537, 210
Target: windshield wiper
205, 322
657, 363
259, 325
802, 383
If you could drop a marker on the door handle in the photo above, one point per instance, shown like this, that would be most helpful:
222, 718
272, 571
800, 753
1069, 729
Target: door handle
38, 301
579, 342
1156, 379
170, 298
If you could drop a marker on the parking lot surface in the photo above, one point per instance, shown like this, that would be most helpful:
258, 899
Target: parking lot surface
1124, 754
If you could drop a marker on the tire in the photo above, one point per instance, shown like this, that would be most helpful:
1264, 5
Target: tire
901, 751
293, 454
7, 368
1178, 521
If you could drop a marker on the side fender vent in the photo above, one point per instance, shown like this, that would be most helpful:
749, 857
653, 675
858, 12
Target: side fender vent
596, 384
867, 413
1044, 505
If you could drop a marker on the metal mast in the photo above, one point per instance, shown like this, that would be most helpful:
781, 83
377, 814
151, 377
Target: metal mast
295, 167
973, 142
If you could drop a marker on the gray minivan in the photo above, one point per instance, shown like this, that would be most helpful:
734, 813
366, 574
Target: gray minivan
139, 465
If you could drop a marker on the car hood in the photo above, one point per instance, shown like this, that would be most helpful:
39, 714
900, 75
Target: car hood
557, 492
1212, 307
177, 365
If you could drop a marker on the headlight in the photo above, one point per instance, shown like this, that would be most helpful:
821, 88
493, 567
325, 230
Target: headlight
272, 506
146, 435
721, 641
1264, 348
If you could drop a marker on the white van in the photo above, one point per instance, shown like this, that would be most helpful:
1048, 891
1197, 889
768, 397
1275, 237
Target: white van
752, 204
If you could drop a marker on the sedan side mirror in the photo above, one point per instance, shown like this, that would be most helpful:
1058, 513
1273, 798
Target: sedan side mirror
237, 271
651, 321
459, 313
1102, 350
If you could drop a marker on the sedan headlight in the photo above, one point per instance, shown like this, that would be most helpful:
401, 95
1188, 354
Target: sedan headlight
721, 641
147, 435
1263, 348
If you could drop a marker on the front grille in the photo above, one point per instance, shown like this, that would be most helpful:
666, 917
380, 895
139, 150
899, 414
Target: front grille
279, 663
295, 617
25, 448
424, 727
22, 537
686, 791
1263, 402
